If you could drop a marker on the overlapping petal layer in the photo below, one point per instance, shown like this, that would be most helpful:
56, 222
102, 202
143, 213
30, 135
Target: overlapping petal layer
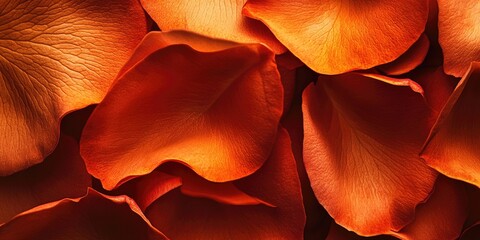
214, 18
94, 216
361, 145
184, 217
452, 146
57, 56
459, 34
216, 112
61, 175
334, 37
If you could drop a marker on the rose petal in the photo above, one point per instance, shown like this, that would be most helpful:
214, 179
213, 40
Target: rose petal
362, 139
442, 216
217, 19
183, 217
409, 60
459, 34
334, 37
95, 216
56, 56
215, 112
452, 147
61, 175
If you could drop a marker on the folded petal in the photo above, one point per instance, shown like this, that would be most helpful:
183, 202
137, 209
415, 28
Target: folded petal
334, 37
452, 147
362, 138
442, 216
217, 19
57, 56
459, 34
409, 60
61, 175
184, 217
216, 112
94, 216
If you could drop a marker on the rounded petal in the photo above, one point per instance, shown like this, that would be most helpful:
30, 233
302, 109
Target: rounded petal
57, 56
333, 37
95, 216
184, 217
452, 147
216, 112
408, 61
459, 34
362, 138
217, 19
61, 175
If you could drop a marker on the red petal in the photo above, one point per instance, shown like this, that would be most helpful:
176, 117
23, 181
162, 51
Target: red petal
334, 37
217, 19
362, 139
61, 175
452, 145
57, 56
184, 217
216, 112
95, 216
459, 34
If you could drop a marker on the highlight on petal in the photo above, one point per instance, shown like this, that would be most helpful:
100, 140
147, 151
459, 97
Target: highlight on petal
213, 18
55, 57
452, 147
94, 216
459, 34
181, 216
409, 60
61, 175
215, 112
362, 138
442, 216
333, 37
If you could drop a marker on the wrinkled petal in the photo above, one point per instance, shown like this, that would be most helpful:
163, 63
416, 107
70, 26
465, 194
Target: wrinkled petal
57, 56
217, 19
61, 175
94, 216
334, 37
408, 61
459, 34
442, 216
216, 112
452, 146
184, 217
362, 138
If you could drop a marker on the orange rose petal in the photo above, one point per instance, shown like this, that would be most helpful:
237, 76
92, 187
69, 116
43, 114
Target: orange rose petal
95, 216
442, 216
57, 56
61, 175
362, 139
459, 34
333, 37
215, 112
183, 217
409, 60
217, 19
395, 81
452, 147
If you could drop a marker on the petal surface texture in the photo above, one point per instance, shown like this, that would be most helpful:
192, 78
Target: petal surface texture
361, 145
95, 216
333, 37
452, 147
216, 112
459, 34
185, 217
55, 57
213, 18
